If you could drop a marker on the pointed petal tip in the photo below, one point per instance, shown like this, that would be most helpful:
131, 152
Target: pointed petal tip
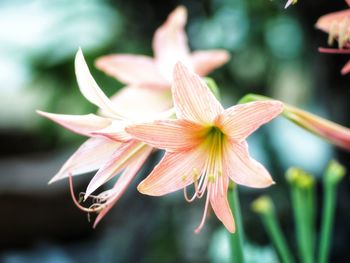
142, 188
43, 113
231, 228
59, 176
179, 15
79, 52
225, 56
95, 224
288, 4
51, 181
179, 65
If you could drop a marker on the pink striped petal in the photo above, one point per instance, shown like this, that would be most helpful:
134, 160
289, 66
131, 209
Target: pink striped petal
172, 135
242, 169
175, 171
346, 69
220, 205
124, 181
118, 161
239, 121
170, 42
192, 98
90, 156
131, 102
89, 88
115, 131
206, 61
80, 124
132, 69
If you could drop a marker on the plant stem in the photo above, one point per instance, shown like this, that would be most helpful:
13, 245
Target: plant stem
236, 239
301, 224
327, 223
302, 192
334, 173
265, 208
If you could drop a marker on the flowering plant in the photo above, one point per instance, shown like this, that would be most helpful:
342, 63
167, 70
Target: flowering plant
167, 105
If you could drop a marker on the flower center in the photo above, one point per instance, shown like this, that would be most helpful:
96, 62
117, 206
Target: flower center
209, 179
210, 173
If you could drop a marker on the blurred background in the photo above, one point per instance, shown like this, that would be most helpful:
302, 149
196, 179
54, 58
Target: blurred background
274, 52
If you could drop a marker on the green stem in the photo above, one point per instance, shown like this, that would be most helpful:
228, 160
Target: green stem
327, 223
265, 208
334, 173
310, 207
236, 239
302, 192
301, 224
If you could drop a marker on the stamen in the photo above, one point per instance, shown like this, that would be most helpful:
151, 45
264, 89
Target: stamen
189, 200
332, 33
342, 38
199, 228
89, 210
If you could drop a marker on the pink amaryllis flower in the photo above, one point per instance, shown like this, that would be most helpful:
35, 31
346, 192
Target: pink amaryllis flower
337, 26
152, 76
110, 150
206, 146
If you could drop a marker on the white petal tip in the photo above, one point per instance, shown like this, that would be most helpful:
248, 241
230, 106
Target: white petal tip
179, 15
43, 113
141, 189
57, 177
86, 197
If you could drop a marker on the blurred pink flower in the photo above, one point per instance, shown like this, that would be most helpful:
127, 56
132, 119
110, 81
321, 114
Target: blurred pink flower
206, 146
152, 76
110, 150
333, 132
337, 26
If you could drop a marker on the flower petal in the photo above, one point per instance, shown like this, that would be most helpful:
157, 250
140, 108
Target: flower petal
220, 205
239, 121
89, 87
348, 2
132, 100
90, 156
192, 98
175, 171
206, 61
115, 131
132, 69
326, 22
81, 124
170, 42
123, 182
172, 135
242, 169
118, 161
346, 69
